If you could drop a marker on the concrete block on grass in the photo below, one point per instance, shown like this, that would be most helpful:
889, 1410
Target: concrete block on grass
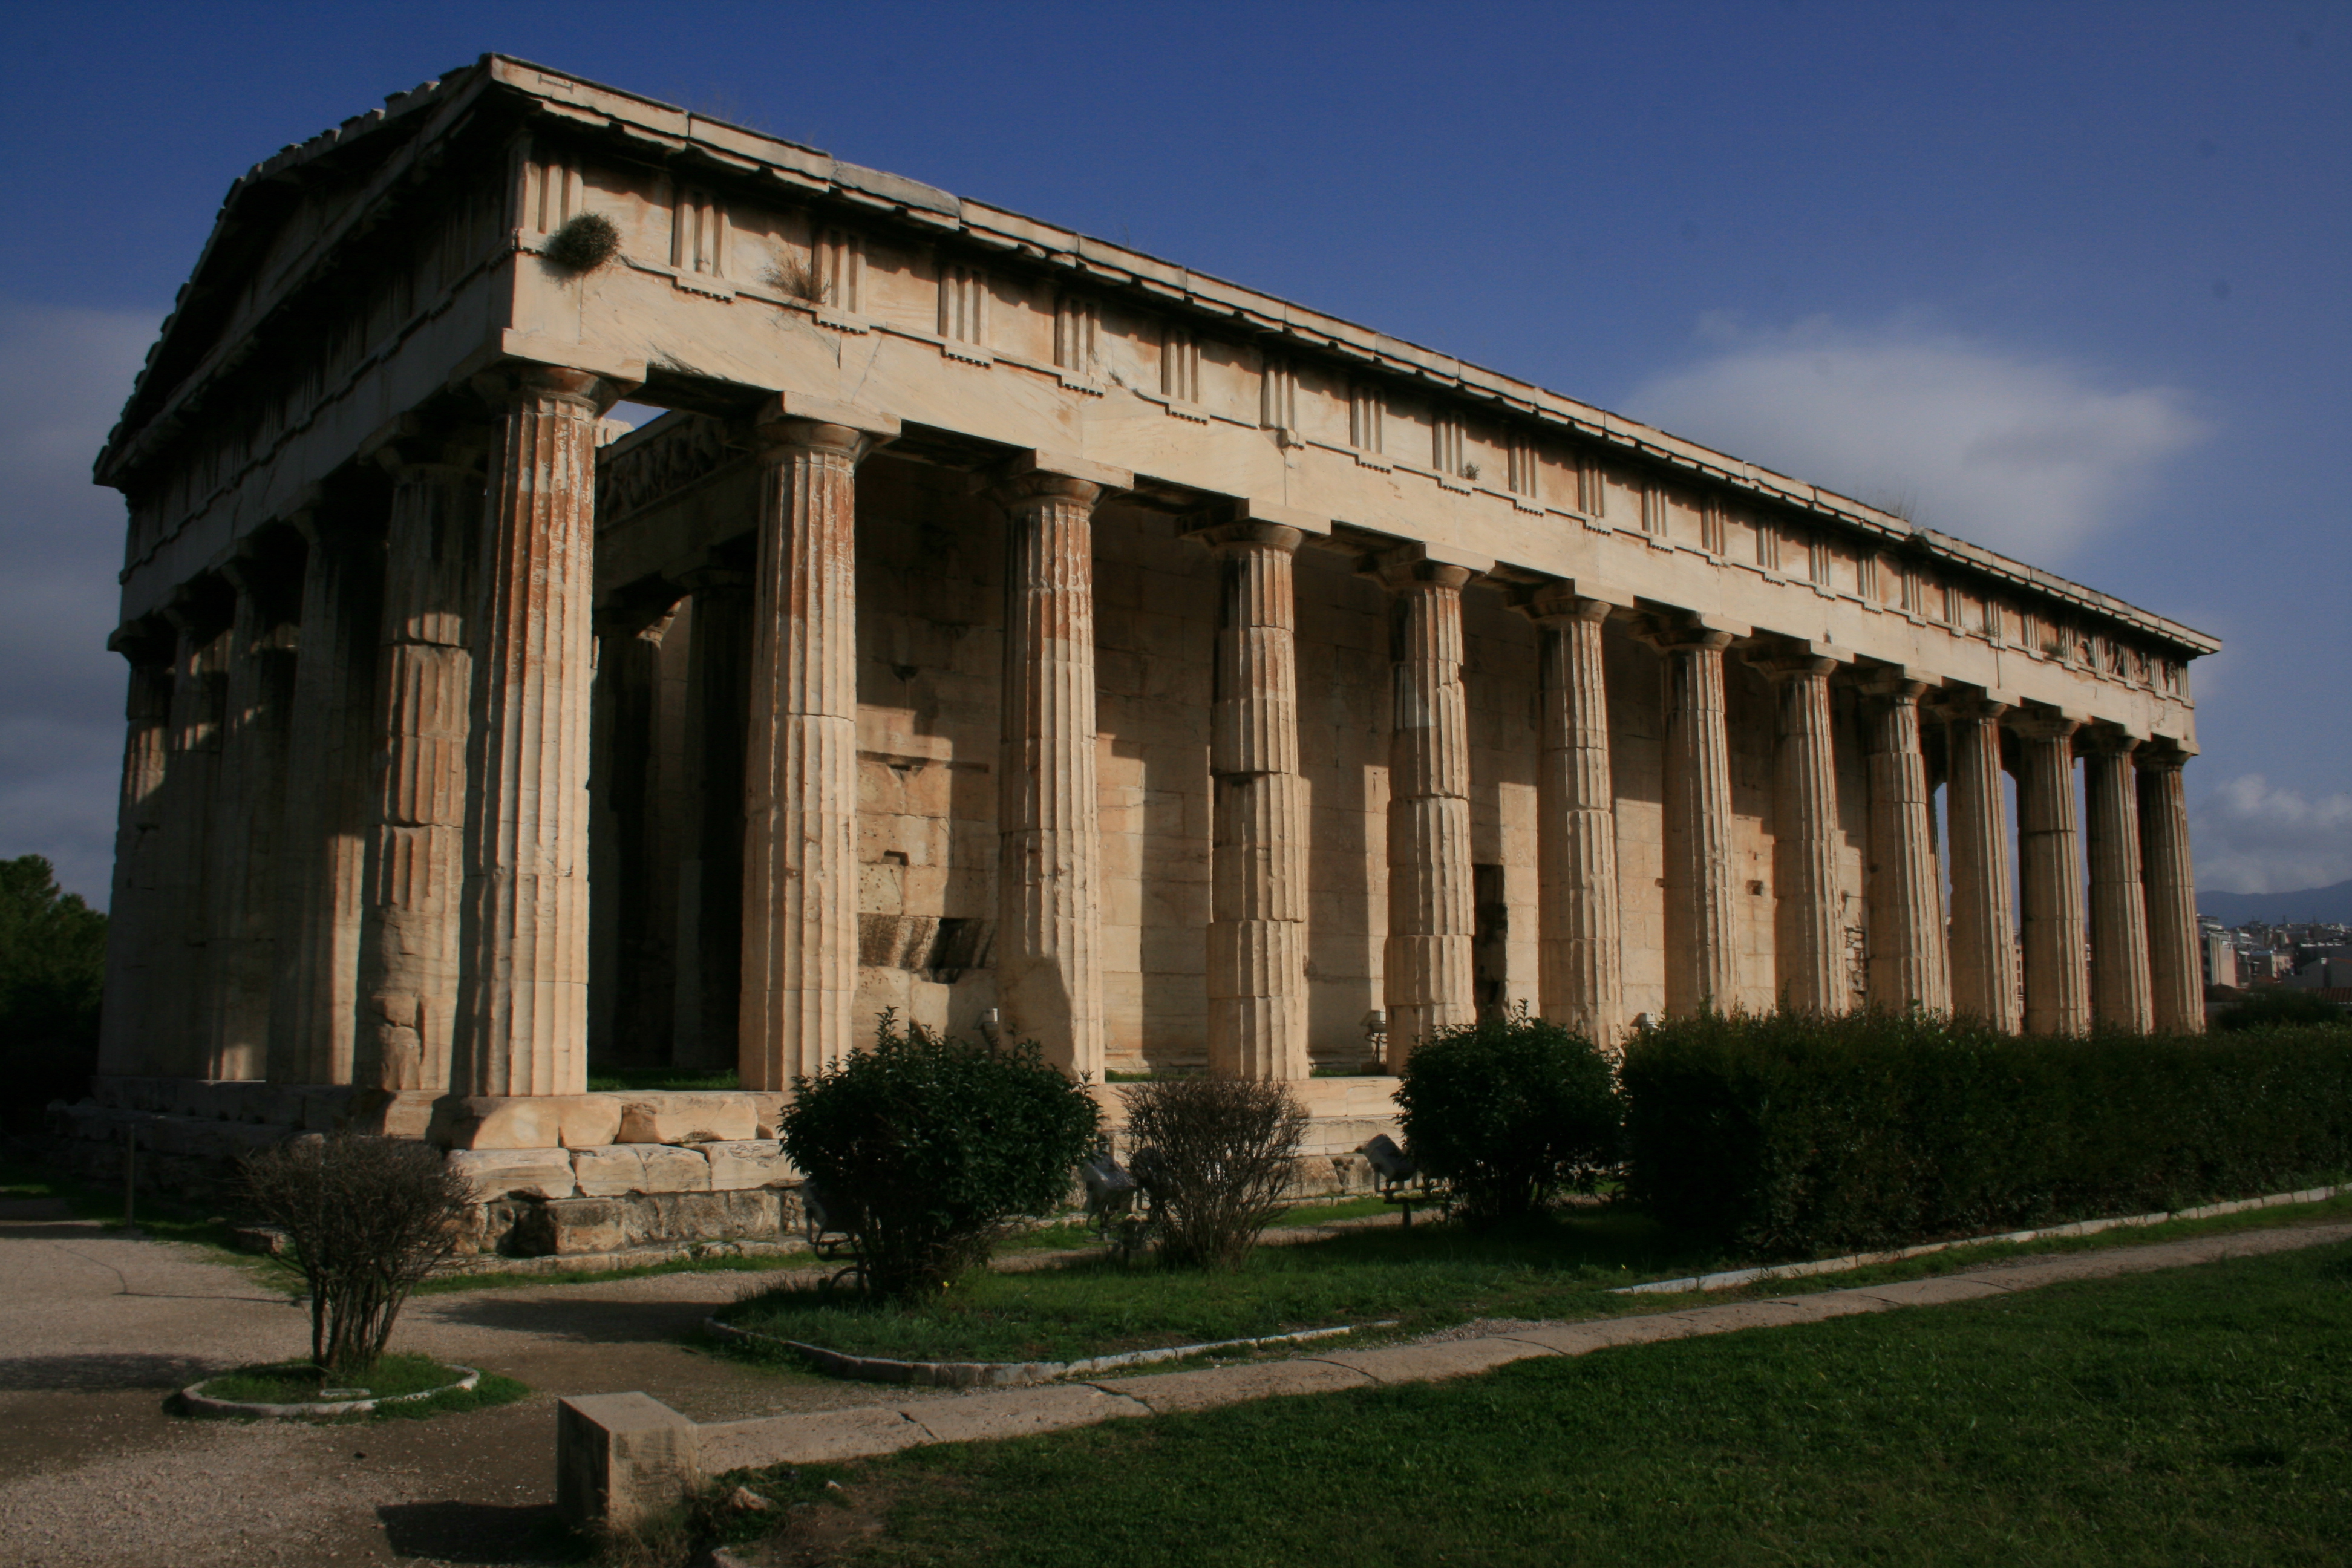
620, 1457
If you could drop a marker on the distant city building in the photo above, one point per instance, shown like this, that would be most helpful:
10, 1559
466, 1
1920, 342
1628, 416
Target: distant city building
2323, 974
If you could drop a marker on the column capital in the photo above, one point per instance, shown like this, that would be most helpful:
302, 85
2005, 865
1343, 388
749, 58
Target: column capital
1408, 567
1226, 514
1674, 633
1958, 702
1896, 683
1786, 658
2160, 757
1054, 475
514, 365
2107, 740
790, 421
1236, 538
412, 447
1557, 603
2038, 726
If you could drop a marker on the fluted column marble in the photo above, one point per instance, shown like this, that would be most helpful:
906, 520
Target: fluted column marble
130, 1017
2177, 969
1049, 839
800, 793
406, 1016
1909, 963
522, 981
1984, 922
2121, 990
1258, 930
1809, 916
705, 1029
178, 1039
2050, 868
1702, 886
248, 813
1427, 979
1580, 980
329, 810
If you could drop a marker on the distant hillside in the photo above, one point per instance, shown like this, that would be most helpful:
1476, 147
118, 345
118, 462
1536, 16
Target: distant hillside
2327, 904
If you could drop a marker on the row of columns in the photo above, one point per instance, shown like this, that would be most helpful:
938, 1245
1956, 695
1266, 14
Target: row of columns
378, 845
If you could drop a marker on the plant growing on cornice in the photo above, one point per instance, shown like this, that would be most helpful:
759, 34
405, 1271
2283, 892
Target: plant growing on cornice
585, 244
794, 280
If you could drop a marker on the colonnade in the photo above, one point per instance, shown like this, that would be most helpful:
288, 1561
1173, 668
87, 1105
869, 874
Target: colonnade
363, 858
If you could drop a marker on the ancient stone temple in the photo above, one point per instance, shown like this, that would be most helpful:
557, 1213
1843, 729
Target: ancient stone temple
1014, 630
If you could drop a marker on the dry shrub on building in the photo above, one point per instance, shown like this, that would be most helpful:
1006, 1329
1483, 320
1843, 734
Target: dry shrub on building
585, 244
1509, 1112
365, 1220
927, 1146
1214, 1155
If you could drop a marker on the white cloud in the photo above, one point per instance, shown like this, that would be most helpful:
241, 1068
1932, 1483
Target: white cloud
2025, 457
2250, 838
64, 375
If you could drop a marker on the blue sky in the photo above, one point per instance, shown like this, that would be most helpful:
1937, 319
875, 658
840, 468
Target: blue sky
2068, 279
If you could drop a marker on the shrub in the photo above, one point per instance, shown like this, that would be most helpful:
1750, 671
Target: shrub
365, 1219
1789, 1135
926, 1146
585, 244
52, 973
1219, 1156
1508, 1111
2280, 1005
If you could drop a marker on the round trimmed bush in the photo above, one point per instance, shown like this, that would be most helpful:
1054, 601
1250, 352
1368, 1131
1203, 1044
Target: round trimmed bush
926, 1146
1510, 1111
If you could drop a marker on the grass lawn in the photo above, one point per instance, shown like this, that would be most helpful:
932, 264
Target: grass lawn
1429, 1277
2197, 1415
295, 1382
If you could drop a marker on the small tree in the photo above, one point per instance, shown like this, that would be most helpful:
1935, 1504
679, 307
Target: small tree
52, 972
365, 1219
926, 1146
1219, 1156
1509, 1112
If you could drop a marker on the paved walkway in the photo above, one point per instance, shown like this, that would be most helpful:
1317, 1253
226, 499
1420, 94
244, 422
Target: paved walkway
95, 1330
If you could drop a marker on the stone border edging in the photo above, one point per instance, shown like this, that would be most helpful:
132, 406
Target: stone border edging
620, 1457
1009, 1374
207, 1403
1731, 1279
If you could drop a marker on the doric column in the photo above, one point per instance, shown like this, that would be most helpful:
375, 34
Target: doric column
2121, 991
1984, 922
137, 926
330, 811
1809, 917
1048, 875
705, 1029
1702, 877
800, 790
2049, 867
522, 982
409, 921
248, 818
1908, 961
1257, 920
2177, 968
1579, 979
1427, 976
179, 1041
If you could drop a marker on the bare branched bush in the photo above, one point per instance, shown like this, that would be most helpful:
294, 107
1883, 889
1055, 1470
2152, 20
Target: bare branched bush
585, 244
1214, 1155
794, 278
365, 1219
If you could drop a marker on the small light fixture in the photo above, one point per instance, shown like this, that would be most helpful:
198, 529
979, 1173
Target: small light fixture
1376, 1035
992, 1025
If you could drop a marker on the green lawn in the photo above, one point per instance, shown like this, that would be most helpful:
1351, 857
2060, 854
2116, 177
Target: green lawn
1424, 1277
295, 1382
2188, 1416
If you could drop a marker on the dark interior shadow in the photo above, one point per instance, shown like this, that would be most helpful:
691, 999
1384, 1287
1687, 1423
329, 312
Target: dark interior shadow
477, 1532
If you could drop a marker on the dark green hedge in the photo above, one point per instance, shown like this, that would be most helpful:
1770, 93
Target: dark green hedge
1791, 1136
